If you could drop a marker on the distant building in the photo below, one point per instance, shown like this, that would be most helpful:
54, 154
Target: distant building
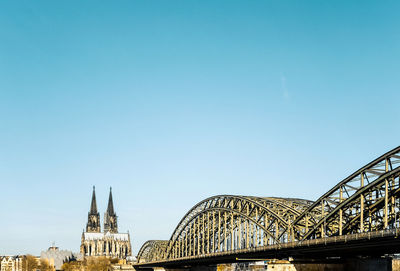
109, 243
11, 263
57, 257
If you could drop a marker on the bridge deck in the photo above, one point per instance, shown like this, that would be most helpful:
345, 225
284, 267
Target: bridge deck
371, 243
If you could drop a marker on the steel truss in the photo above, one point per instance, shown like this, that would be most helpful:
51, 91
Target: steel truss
152, 250
366, 201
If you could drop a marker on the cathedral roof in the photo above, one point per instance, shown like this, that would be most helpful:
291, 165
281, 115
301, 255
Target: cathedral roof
108, 235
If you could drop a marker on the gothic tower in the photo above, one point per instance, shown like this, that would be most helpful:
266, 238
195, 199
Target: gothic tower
110, 218
93, 224
109, 243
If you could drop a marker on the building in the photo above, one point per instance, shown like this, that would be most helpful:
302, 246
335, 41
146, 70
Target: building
110, 242
11, 263
57, 257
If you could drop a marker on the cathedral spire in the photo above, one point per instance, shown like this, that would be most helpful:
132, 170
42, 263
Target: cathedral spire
93, 224
110, 218
93, 206
110, 206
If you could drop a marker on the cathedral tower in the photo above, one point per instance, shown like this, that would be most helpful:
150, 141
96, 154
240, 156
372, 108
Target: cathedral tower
110, 218
109, 243
93, 224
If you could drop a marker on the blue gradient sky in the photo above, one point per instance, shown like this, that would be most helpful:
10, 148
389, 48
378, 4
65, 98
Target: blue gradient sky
170, 102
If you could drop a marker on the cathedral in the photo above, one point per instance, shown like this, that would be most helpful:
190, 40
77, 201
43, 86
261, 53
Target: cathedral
108, 243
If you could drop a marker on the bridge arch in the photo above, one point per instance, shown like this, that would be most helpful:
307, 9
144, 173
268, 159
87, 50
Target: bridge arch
322, 208
152, 250
229, 222
373, 207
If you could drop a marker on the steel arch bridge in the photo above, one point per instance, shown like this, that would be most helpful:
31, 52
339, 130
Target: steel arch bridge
365, 203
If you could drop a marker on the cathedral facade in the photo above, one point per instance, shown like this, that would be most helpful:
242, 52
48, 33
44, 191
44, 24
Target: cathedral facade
110, 242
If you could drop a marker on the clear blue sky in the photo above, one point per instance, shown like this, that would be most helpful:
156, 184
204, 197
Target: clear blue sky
170, 102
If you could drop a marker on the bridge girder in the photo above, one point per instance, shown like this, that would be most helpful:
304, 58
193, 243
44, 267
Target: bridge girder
344, 190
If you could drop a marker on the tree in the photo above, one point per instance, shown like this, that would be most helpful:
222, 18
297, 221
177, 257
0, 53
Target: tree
72, 266
98, 264
29, 263
88, 264
45, 265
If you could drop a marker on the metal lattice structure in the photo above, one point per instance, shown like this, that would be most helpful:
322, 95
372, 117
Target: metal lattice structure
366, 201
152, 250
